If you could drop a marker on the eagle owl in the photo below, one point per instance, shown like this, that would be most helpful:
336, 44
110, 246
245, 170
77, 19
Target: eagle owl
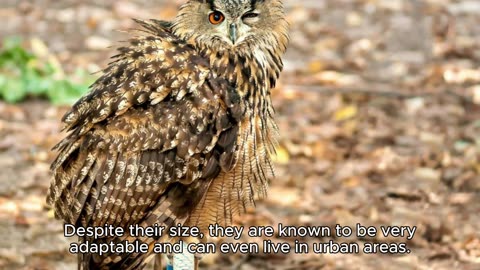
179, 129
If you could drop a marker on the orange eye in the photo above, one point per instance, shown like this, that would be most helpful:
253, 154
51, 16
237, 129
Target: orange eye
216, 17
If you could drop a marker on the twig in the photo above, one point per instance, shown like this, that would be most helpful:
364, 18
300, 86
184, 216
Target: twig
385, 91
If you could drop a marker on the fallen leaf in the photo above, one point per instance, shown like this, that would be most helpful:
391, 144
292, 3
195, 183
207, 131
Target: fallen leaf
282, 156
346, 113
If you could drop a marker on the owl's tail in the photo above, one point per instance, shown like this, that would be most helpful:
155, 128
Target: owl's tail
161, 215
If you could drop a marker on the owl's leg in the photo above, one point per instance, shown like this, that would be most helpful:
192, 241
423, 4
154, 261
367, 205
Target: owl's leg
158, 263
196, 261
198, 256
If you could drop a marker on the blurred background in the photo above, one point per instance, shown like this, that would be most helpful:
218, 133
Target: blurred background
378, 109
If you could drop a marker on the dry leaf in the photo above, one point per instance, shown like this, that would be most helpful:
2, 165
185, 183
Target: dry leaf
282, 156
346, 113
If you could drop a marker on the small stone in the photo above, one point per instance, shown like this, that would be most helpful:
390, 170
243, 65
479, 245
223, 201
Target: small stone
97, 43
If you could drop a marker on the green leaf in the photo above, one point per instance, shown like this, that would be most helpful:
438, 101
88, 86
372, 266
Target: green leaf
13, 52
13, 91
23, 74
11, 42
64, 92
3, 81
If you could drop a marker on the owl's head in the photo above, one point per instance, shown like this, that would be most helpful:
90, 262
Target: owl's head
227, 24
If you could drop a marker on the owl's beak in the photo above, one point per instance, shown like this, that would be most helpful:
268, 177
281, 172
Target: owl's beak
233, 33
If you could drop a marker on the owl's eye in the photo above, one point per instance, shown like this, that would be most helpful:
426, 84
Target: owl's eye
250, 15
216, 17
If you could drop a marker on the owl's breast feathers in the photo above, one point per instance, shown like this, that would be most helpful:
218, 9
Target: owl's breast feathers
166, 135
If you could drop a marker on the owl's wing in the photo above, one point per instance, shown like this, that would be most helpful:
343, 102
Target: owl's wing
155, 66
153, 124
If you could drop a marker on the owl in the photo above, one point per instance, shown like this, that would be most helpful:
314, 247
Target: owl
178, 129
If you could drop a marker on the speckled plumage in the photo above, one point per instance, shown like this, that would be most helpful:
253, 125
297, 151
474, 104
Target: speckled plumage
178, 129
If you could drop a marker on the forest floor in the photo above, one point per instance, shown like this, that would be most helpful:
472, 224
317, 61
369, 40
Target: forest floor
379, 116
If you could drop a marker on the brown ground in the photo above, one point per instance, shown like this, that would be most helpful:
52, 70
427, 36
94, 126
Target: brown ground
378, 110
